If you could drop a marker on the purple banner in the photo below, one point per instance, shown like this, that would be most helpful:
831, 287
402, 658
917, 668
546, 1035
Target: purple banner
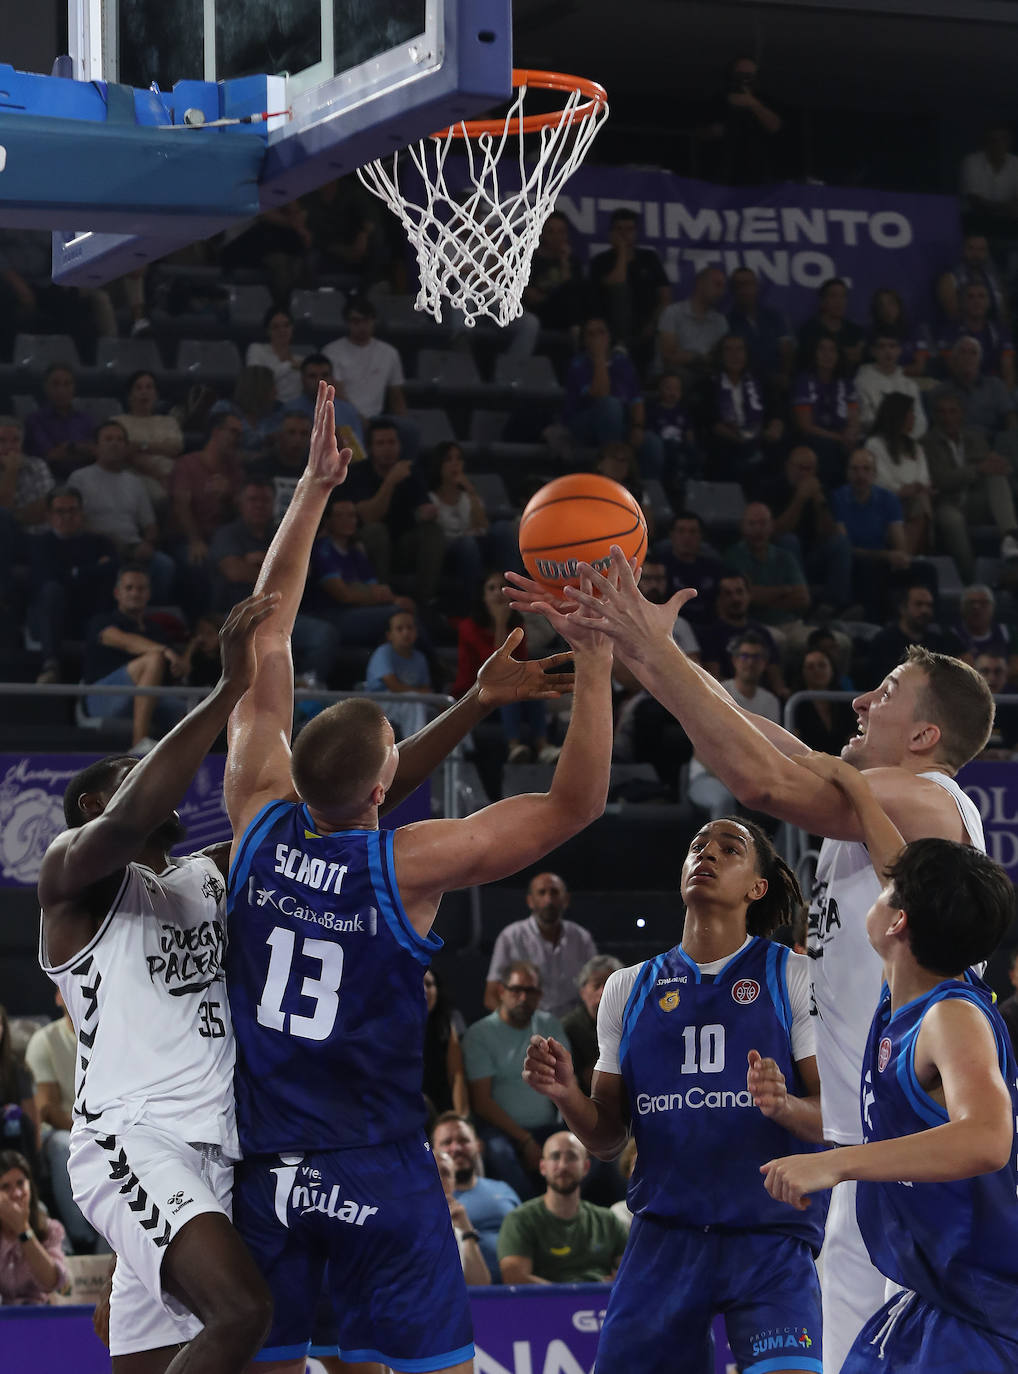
546, 1330
31, 809
993, 786
793, 237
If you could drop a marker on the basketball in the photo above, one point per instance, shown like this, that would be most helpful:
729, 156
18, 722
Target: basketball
576, 519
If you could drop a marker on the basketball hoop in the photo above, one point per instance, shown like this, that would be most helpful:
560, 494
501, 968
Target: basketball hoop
474, 246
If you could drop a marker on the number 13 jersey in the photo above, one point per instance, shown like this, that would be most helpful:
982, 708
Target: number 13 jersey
325, 977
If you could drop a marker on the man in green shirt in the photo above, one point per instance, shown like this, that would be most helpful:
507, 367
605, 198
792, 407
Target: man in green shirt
559, 1238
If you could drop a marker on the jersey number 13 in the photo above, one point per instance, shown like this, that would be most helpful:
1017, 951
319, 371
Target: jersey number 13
323, 990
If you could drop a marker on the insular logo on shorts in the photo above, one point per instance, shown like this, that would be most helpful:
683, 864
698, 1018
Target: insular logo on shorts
293, 1197
746, 990
883, 1054
669, 1001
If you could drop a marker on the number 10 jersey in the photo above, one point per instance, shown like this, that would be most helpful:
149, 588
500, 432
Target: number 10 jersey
325, 978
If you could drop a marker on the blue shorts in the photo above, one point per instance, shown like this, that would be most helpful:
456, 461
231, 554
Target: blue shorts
674, 1280
369, 1230
909, 1336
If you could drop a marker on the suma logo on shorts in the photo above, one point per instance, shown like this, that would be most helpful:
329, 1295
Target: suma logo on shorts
745, 991
883, 1054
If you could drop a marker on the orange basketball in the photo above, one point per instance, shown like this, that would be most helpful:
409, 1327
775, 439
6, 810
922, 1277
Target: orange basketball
576, 519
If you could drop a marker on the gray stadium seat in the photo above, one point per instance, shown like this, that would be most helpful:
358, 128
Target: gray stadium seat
534, 375
248, 304
208, 357
433, 426
320, 311
23, 406
445, 368
36, 352
495, 498
716, 503
119, 358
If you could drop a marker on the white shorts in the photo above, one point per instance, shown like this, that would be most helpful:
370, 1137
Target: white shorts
138, 1189
852, 1290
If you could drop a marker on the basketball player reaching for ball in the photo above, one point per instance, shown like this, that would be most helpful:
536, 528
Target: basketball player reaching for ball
916, 729
675, 1035
937, 1179
331, 920
134, 940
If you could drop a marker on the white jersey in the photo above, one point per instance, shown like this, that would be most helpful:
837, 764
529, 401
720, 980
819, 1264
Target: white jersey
846, 970
147, 996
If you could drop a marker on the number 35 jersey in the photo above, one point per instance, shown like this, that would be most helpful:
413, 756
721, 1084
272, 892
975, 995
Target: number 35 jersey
148, 1001
325, 977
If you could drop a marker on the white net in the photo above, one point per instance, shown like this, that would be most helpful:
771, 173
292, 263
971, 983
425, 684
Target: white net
474, 242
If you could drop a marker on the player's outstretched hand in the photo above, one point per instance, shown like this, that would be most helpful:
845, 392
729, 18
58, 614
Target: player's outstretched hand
327, 463
613, 605
548, 1068
236, 640
504, 679
526, 595
793, 1178
766, 1082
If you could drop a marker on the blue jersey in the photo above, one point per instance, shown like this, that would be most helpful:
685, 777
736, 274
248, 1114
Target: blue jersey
955, 1244
325, 976
683, 1054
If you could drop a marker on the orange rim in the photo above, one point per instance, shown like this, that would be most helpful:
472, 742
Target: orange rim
597, 98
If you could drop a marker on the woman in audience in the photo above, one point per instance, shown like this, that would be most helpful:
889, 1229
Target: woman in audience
31, 1242
155, 439
478, 636
738, 422
445, 1082
826, 411
255, 401
901, 467
19, 1117
888, 319
277, 354
461, 514
823, 725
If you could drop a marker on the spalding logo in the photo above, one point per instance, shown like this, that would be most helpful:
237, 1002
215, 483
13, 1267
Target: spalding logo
746, 990
883, 1054
669, 1001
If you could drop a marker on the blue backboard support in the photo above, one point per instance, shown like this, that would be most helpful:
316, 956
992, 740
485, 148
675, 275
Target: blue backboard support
456, 66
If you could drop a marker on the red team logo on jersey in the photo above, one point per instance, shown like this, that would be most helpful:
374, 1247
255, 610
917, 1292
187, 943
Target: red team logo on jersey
746, 990
883, 1054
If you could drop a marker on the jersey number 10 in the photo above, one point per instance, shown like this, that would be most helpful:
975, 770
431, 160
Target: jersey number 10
711, 1058
324, 990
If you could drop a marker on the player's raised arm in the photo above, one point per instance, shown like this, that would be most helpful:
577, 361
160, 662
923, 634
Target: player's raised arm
880, 835
955, 1042
112, 838
258, 764
433, 857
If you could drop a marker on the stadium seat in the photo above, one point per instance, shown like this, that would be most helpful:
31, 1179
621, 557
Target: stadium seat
99, 407
23, 406
216, 362
656, 498
716, 503
447, 369
495, 498
433, 427
36, 352
117, 359
318, 312
248, 305
535, 375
